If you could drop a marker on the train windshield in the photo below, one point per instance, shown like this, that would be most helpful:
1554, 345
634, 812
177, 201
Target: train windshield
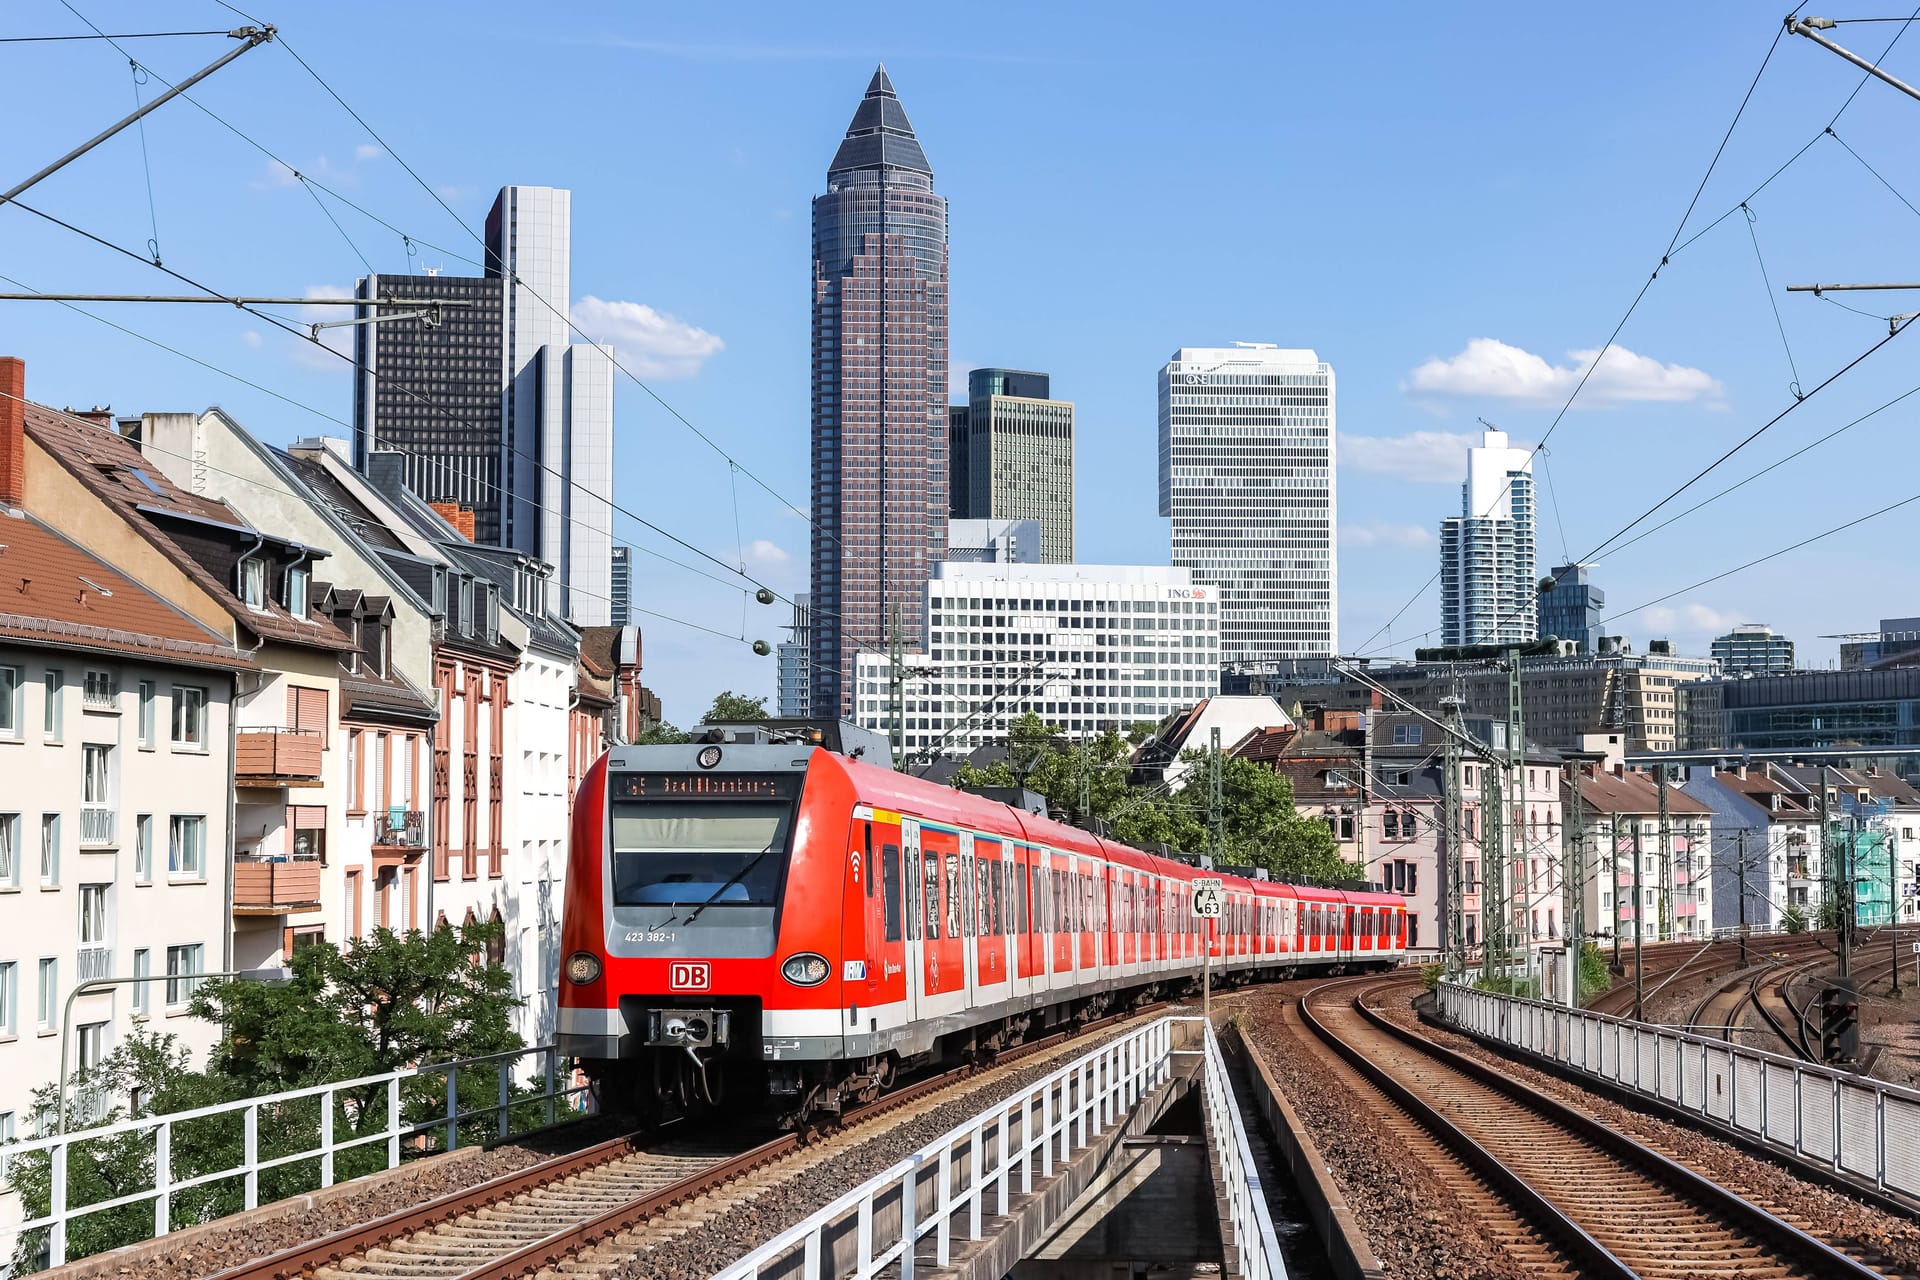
688, 840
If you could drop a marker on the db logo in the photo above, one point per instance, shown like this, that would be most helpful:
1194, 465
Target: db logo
689, 977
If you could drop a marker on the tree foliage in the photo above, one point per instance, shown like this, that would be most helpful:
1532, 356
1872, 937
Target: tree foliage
662, 734
386, 1002
1260, 826
729, 707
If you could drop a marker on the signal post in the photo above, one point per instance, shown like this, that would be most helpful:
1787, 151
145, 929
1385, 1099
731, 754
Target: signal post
1206, 905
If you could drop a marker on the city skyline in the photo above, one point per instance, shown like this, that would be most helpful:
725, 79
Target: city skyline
700, 294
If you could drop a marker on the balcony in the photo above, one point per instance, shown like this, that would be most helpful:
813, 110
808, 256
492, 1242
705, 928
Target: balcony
402, 834
97, 827
274, 888
95, 962
272, 757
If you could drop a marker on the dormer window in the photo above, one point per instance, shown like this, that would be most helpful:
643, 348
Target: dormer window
493, 614
382, 650
253, 583
296, 591
466, 606
353, 654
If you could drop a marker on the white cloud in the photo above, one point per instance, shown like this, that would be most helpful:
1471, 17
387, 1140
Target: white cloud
1385, 535
340, 340
1424, 457
1490, 369
1693, 620
367, 151
651, 343
765, 553
252, 338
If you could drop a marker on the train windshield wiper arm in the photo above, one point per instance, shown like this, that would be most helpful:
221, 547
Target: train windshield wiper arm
731, 881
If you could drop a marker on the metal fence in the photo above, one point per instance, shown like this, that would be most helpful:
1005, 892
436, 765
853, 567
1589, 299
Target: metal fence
1856, 1126
396, 1103
961, 1181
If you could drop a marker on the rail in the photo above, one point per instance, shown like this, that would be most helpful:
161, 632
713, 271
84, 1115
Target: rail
393, 1102
1862, 1129
960, 1181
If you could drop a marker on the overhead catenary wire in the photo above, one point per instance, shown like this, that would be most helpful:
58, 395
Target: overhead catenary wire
1633, 306
101, 35
1766, 287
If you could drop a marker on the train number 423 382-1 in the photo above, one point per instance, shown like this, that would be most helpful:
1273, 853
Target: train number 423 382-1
650, 935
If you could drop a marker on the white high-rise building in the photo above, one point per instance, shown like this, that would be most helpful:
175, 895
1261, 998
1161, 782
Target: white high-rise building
1084, 646
1247, 474
1488, 593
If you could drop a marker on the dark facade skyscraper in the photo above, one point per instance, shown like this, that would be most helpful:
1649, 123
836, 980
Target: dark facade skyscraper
880, 486
493, 406
1572, 607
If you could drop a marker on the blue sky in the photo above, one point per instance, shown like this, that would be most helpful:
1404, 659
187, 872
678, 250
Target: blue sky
1447, 202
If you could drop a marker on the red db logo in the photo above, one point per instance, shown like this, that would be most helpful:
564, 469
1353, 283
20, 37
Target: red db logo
689, 977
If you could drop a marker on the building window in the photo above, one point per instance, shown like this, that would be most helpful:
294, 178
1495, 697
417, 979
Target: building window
49, 993
10, 851
49, 849
182, 964
189, 717
253, 583
9, 999
96, 762
296, 591
1390, 821
142, 991
466, 606
50, 712
143, 848
100, 690
146, 714
9, 702
1406, 734
187, 848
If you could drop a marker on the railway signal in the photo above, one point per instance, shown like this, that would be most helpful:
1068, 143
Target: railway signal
1839, 1024
1206, 905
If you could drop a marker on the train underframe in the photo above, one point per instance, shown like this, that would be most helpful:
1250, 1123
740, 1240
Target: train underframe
695, 1060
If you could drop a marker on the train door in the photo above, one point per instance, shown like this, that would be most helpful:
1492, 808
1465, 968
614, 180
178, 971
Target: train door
860, 925
946, 941
1061, 907
915, 913
965, 888
990, 874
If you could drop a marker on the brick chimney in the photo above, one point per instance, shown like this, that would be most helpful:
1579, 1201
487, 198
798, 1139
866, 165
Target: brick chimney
461, 518
100, 416
13, 431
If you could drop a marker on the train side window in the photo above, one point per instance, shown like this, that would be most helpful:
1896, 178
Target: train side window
1020, 873
890, 884
933, 896
866, 856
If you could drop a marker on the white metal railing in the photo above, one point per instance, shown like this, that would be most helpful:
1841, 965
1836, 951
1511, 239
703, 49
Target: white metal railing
96, 824
962, 1180
1253, 1235
95, 963
330, 1102
1854, 1125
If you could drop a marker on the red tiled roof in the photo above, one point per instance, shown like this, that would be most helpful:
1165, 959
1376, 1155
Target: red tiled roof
52, 591
112, 468
1634, 793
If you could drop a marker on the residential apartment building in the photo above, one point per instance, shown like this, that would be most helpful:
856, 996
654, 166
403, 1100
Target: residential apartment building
1672, 898
1488, 594
1872, 819
1753, 649
1766, 844
1018, 459
1087, 647
1247, 476
880, 423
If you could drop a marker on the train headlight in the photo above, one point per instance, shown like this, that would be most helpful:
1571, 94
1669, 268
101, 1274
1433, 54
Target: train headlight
583, 967
805, 969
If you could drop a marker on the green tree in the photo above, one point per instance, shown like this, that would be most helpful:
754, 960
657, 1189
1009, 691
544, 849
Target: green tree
730, 707
661, 735
389, 1001
1794, 919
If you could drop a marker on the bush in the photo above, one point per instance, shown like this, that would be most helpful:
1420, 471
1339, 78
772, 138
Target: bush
1794, 920
1430, 975
1594, 977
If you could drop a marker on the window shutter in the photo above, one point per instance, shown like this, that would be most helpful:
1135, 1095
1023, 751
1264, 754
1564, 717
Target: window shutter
307, 709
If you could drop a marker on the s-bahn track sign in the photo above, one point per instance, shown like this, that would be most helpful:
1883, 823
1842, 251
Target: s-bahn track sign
1206, 898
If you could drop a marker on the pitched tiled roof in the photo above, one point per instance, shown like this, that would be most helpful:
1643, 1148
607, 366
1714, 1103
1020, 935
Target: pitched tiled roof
53, 591
112, 468
1634, 793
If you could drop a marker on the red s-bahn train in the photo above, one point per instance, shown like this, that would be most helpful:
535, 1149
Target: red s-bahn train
777, 920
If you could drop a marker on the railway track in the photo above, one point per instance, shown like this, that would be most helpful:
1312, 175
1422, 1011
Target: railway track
1671, 960
1571, 1196
547, 1215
